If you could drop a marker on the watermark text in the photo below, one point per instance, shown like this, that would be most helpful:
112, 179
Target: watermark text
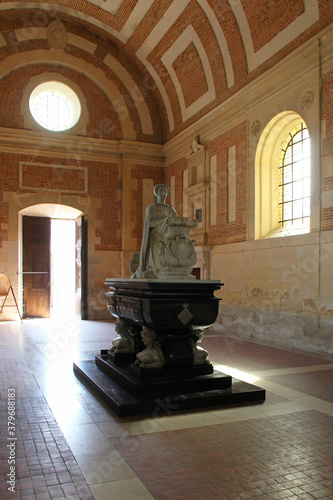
11, 445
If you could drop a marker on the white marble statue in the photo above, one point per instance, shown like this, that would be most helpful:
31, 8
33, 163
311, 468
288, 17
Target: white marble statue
154, 228
166, 249
125, 343
152, 356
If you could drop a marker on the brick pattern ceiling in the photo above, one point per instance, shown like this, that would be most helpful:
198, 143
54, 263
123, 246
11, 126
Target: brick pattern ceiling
167, 60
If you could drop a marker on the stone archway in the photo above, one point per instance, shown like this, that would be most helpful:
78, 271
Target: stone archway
56, 270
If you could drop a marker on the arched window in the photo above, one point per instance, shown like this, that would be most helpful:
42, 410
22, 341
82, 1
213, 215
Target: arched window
283, 177
294, 179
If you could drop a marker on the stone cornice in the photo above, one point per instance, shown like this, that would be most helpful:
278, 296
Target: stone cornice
134, 152
37, 143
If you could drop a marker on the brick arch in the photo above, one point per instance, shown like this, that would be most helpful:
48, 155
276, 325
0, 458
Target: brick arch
286, 27
238, 40
22, 59
52, 210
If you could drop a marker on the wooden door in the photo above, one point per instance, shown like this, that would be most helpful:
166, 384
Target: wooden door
81, 248
36, 267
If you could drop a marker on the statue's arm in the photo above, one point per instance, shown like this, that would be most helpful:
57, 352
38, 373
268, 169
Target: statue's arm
170, 212
173, 212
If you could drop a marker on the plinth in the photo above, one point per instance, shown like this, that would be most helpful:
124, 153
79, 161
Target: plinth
178, 312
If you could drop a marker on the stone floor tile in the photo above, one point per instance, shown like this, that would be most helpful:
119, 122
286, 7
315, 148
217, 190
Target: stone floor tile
43, 496
281, 449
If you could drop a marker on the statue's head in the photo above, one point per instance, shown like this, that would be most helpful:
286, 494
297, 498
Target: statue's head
148, 335
161, 190
121, 326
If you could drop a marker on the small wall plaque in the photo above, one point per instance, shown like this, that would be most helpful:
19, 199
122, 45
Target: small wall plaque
198, 214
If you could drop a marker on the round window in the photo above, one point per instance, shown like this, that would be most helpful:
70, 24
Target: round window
55, 106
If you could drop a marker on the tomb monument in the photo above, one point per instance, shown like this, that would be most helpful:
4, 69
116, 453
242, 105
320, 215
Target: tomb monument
162, 311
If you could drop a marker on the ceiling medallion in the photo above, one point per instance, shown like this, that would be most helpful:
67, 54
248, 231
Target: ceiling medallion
57, 35
307, 100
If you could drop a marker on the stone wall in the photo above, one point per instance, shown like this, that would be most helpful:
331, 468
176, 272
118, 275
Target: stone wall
94, 188
278, 290
278, 287
148, 89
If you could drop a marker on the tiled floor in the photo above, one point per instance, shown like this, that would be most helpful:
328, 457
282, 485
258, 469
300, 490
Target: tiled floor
67, 444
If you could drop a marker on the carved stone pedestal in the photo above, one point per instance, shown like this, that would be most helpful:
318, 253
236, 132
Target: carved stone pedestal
176, 312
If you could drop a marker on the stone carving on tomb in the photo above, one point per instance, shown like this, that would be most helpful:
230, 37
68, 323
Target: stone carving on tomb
167, 252
152, 356
200, 355
125, 343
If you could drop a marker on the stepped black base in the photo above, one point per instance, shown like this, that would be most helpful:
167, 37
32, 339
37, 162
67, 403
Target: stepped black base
128, 394
142, 382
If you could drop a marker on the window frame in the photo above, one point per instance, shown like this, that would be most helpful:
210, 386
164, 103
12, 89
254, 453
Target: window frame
63, 93
80, 126
296, 139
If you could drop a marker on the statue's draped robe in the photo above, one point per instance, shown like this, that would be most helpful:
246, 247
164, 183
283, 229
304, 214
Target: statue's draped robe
153, 238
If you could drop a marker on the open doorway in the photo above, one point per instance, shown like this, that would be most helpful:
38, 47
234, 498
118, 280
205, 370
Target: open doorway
62, 267
53, 262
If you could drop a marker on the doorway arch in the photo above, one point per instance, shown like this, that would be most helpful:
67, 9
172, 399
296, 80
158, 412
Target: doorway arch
52, 210
41, 281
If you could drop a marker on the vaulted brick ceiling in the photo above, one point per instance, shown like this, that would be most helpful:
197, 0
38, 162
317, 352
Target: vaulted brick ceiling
168, 62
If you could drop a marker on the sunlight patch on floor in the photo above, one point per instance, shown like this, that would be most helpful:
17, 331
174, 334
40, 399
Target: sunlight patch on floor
246, 377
